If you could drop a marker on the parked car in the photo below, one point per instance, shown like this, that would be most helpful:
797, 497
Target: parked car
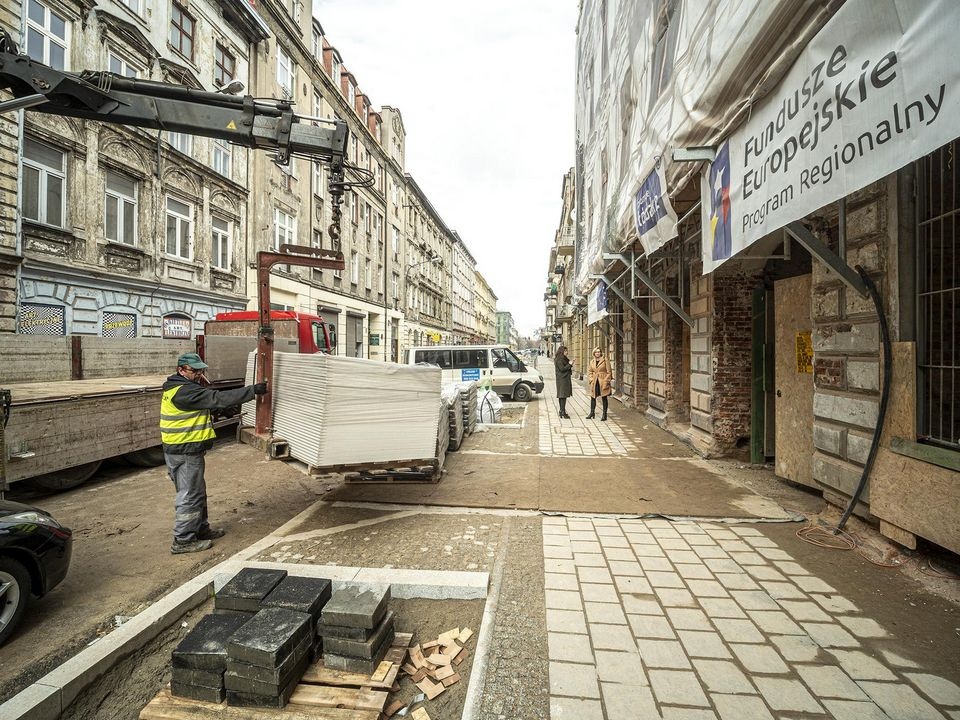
494, 364
34, 557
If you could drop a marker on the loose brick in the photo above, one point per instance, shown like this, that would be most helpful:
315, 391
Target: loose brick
269, 637
355, 608
247, 589
205, 646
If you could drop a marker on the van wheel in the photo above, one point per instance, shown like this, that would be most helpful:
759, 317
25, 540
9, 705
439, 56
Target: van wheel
148, 457
523, 393
66, 478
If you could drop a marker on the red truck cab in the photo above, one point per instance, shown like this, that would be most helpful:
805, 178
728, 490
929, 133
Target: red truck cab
312, 332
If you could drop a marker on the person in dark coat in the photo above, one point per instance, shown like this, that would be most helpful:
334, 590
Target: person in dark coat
564, 368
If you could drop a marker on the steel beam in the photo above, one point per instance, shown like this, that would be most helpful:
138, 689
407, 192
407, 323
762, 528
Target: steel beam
655, 289
695, 154
819, 250
629, 303
617, 330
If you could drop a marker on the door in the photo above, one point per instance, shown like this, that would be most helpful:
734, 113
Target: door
794, 380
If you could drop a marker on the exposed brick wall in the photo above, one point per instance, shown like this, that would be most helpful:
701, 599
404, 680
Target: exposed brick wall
846, 344
730, 354
666, 403
641, 383
701, 375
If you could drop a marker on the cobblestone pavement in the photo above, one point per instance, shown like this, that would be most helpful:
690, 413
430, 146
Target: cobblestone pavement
577, 436
695, 621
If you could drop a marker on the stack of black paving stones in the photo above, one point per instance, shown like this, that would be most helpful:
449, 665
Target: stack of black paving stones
267, 656
255, 647
200, 659
357, 629
306, 595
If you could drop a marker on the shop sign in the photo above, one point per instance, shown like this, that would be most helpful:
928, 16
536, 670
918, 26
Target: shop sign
118, 325
177, 327
872, 92
34, 319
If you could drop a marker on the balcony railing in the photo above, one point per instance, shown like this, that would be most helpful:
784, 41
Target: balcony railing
565, 242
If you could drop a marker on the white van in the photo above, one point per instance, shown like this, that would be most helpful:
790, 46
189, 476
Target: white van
496, 364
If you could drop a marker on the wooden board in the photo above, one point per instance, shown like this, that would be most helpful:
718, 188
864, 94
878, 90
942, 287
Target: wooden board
165, 706
422, 471
338, 697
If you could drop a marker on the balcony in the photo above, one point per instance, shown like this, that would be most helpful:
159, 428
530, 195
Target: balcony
565, 313
565, 243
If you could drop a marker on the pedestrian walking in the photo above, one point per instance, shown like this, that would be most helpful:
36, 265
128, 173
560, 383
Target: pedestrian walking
599, 376
186, 430
564, 368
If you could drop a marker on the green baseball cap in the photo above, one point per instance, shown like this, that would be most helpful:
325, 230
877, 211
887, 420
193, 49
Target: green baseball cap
191, 360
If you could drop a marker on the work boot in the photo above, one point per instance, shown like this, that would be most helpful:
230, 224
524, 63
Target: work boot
209, 533
179, 548
603, 418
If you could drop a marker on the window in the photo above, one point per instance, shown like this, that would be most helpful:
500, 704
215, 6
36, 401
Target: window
224, 66
351, 94
120, 223
666, 24
470, 358
222, 155
180, 141
396, 287
46, 35
317, 45
335, 71
395, 241
354, 268
938, 298
395, 194
181, 31
367, 275
503, 358
317, 240
318, 179
44, 183
284, 229
286, 72
34, 319
434, 357
380, 283
220, 247
134, 5
317, 105
367, 219
179, 228
121, 66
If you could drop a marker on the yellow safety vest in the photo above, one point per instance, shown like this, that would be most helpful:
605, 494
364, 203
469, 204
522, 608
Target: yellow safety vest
179, 427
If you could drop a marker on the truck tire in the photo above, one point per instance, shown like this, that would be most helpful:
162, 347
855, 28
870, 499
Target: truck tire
14, 595
523, 393
148, 457
66, 478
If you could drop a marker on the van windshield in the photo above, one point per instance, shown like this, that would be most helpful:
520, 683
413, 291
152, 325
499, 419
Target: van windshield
504, 358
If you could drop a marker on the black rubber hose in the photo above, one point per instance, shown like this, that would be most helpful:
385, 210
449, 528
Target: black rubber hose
884, 397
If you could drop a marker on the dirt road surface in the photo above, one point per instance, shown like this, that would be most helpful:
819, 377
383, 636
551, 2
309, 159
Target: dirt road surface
122, 522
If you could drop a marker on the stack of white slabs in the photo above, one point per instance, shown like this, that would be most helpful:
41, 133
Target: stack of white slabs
349, 411
450, 395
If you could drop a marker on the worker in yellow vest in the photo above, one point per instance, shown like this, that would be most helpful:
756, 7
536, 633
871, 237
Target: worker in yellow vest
186, 430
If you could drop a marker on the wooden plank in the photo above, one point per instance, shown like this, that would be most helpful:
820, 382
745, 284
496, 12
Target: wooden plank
164, 706
393, 707
381, 672
338, 697
420, 714
452, 680
402, 640
430, 688
461, 656
317, 674
444, 672
465, 635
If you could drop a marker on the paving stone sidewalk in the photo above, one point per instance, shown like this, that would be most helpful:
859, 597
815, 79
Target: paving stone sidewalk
697, 621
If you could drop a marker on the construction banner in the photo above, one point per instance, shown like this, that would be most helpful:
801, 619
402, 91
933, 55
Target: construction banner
654, 215
873, 91
597, 303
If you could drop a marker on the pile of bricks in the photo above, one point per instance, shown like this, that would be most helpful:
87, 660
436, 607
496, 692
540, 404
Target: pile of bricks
356, 629
433, 665
468, 400
255, 647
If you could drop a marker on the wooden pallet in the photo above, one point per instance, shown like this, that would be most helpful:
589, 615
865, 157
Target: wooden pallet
323, 694
421, 471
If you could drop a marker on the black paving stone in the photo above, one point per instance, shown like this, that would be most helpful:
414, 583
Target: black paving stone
197, 692
277, 676
269, 637
364, 649
204, 678
205, 647
353, 608
342, 631
241, 699
358, 665
306, 595
247, 589
235, 683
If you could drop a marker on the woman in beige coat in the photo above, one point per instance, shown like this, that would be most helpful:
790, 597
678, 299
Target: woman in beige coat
599, 376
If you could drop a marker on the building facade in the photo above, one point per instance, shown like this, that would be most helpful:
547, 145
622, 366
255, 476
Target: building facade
741, 318
124, 234
10, 129
506, 331
463, 292
484, 309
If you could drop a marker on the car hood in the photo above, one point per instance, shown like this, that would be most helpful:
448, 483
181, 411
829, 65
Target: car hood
12, 508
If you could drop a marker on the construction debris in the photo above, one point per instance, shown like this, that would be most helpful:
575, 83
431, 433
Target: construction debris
431, 667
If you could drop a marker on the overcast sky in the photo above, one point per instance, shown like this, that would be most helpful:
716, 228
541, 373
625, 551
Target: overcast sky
486, 93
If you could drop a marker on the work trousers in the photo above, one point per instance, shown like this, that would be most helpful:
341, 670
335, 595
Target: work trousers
190, 505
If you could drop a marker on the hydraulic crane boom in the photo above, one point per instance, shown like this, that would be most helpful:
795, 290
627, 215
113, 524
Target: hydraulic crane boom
255, 123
